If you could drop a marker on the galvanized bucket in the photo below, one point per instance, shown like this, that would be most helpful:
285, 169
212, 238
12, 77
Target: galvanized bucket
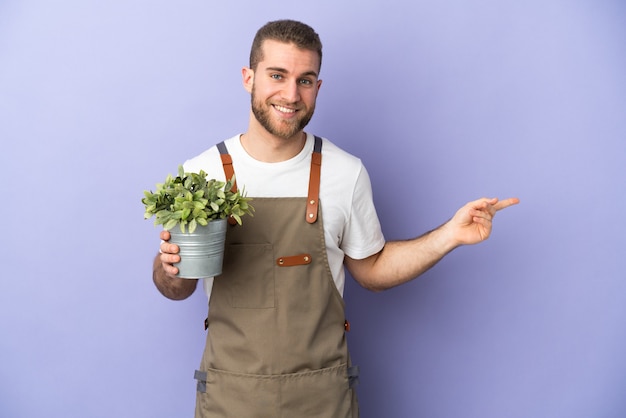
201, 252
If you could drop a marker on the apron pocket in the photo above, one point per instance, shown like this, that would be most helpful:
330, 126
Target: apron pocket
250, 280
233, 395
321, 393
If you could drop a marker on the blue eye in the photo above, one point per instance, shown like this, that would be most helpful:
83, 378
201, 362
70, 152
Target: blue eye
276, 76
306, 81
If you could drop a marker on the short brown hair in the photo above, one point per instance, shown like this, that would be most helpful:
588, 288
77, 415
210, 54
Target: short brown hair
287, 31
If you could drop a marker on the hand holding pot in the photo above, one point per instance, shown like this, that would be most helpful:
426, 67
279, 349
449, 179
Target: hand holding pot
164, 273
169, 254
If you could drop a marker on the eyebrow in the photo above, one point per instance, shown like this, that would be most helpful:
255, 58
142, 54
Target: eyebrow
282, 70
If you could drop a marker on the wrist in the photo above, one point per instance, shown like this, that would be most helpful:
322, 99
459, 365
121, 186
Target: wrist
447, 239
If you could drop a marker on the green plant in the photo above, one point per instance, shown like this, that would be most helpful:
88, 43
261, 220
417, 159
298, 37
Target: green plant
190, 199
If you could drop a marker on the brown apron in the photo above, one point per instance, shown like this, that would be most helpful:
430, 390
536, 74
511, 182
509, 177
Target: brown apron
276, 344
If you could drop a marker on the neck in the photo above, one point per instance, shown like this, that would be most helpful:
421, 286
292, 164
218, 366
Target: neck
263, 146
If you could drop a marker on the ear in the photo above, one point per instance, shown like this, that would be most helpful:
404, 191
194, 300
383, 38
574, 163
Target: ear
247, 76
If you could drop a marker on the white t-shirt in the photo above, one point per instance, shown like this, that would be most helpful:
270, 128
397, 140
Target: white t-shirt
351, 225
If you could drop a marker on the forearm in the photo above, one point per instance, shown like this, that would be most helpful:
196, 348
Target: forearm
171, 287
402, 261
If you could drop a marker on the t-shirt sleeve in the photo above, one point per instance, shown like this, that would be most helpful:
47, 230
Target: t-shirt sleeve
362, 235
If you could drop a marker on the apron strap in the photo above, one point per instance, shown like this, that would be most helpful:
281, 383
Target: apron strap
353, 376
229, 171
227, 162
201, 377
312, 205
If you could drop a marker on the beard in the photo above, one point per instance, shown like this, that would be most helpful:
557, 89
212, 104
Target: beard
279, 127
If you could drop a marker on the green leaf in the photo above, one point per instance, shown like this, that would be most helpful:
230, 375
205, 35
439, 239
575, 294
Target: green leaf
192, 226
170, 224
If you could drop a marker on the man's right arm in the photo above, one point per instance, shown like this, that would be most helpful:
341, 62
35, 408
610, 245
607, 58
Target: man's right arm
164, 272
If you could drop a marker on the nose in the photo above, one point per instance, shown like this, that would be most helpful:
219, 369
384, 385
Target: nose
291, 91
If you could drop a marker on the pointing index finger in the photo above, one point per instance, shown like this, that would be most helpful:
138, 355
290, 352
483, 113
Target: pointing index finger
505, 203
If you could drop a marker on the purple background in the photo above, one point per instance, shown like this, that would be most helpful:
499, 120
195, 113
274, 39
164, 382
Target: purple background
445, 101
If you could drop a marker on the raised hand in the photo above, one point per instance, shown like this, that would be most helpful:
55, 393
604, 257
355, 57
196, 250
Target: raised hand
473, 222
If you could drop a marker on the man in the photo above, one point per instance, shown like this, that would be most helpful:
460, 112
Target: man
276, 341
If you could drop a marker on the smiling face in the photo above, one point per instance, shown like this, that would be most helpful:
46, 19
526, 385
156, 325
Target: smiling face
284, 88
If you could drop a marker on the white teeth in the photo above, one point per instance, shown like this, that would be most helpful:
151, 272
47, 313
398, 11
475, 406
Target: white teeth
284, 109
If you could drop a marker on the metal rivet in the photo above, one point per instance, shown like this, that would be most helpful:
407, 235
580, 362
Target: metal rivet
311, 215
306, 258
312, 202
281, 261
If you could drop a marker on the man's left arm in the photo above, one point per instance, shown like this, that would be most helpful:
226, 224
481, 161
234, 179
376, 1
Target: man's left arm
401, 261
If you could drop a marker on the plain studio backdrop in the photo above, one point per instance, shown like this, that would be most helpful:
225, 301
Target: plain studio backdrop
444, 101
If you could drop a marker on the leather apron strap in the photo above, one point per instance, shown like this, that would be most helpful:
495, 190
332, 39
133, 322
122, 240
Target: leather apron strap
227, 162
312, 207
